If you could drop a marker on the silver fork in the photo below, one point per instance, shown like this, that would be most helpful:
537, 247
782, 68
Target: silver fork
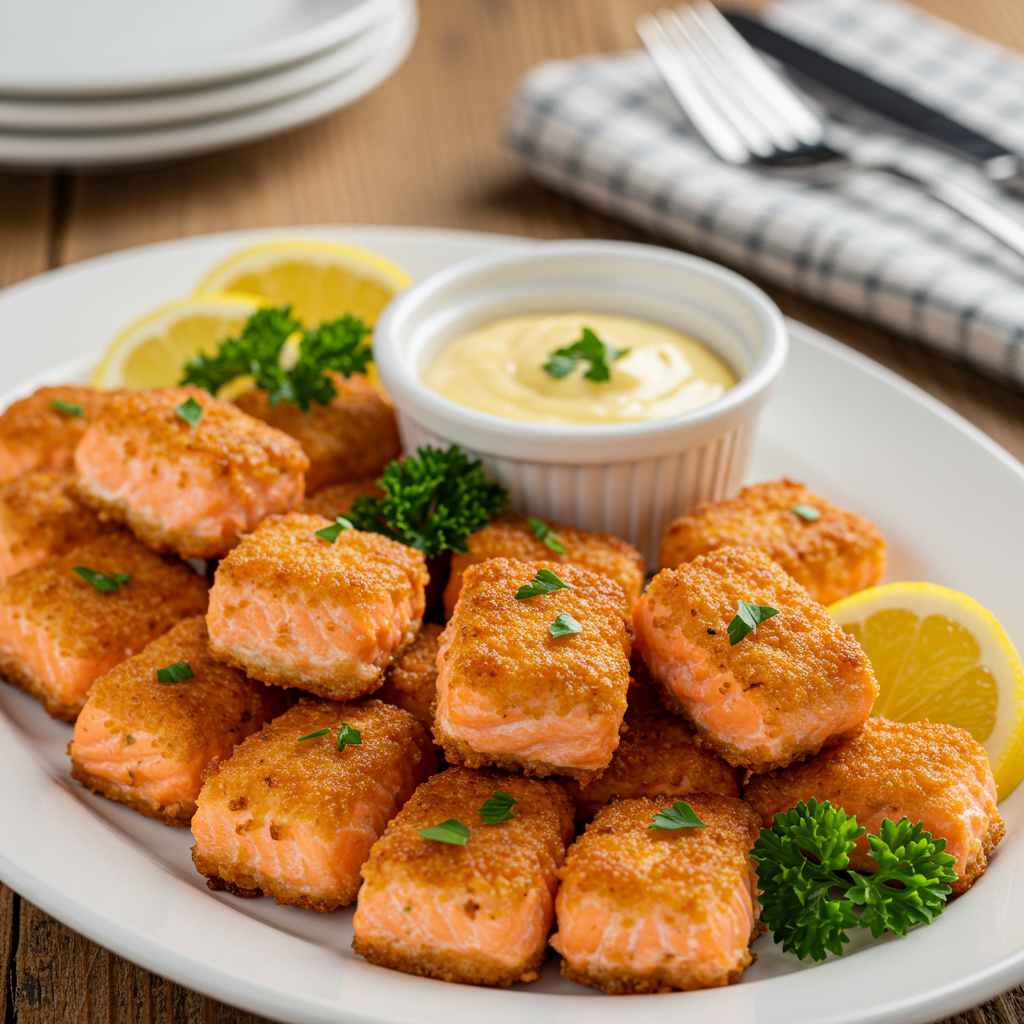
749, 115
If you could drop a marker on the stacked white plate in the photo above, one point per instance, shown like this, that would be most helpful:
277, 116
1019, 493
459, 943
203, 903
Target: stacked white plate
113, 82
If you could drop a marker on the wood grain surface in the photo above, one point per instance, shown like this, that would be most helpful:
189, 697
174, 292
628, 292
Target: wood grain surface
424, 149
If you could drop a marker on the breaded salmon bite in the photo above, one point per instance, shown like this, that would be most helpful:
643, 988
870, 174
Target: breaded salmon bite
655, 910
40, 518
782, 691
290, 815
928, 772
61, 629
511, 535
355, 436
41, 431
533, 670
829, 551
410, 681
186, 472
657, 756
477, 913
337, 499
297, 609
153, 723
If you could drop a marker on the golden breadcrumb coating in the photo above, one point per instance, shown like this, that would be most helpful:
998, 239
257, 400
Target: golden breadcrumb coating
925, 771
355, 436
40, 518
410, 681
797, 684
656, 910
146, 743
511, 694
36, 435
192, 489
478, 914
337, 499
657, 755
292, 608
509, 536
838, 553
58, 633
295, 819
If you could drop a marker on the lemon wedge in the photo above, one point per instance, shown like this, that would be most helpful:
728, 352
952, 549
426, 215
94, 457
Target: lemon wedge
152, 352
938, 654
321, 280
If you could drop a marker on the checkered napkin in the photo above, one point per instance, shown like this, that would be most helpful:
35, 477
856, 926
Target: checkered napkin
605, 129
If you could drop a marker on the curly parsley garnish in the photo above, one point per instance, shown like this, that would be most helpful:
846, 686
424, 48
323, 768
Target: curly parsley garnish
68, 408
543, 582
451, 831
805, 857
332, 532
545, 534
564, 625
176, 673
295, 374
432, 502
679, 815
498, 808
589, 349
747, 618
108, 584
808, 512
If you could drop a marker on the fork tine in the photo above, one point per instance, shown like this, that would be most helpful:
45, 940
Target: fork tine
714, 80
764, 80
731, 80
716, 131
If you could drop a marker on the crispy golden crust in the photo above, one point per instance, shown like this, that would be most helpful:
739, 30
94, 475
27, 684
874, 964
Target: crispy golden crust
837, 554
460, 898
78, 621
40, 517
926, 771
657, 755
509, 536
186, 723
276, 785
142, 464
355, 589
35, 435
781, 693
410, 681
624, 878
355, 436
502, 673
337, 499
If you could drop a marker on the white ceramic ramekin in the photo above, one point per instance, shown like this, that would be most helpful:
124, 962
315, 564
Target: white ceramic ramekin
626, 479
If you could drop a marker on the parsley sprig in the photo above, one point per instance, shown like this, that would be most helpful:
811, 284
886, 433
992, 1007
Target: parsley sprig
803, 859
432, 502
335, 345
589, 349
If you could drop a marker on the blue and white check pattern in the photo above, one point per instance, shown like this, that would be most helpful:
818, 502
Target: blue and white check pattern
605, 130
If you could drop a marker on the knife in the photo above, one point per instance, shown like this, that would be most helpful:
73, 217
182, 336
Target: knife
1001, 165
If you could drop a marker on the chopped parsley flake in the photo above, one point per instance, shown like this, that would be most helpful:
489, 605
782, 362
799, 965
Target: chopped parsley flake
808, 512
451, 831
108, 584
564, 625
68, 408
544, 582
545, 534
190, 411
176, 673
497, 808
313, 735
679, 815
746, 621
331, 533
348, 737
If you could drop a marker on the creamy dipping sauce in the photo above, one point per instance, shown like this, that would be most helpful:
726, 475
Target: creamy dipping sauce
499, 369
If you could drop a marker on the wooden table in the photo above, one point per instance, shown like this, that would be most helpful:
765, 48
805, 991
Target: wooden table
424, 149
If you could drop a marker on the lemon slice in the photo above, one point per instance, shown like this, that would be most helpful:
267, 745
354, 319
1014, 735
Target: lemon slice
938, 654
152, 352
320, 280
